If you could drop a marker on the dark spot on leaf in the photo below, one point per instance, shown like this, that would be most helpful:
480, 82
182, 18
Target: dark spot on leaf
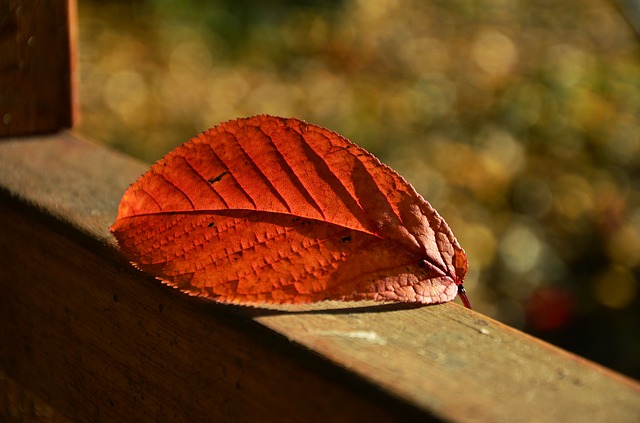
217, 178
346, 239
211, 224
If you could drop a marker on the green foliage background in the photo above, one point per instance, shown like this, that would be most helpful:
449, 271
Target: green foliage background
519, 121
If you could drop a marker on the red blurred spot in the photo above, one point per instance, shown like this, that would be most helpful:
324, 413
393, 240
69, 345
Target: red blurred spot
550, 309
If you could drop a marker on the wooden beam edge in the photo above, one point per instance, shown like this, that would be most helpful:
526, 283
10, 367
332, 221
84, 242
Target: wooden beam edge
443, 360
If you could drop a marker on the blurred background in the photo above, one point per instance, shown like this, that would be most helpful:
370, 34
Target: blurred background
518, 121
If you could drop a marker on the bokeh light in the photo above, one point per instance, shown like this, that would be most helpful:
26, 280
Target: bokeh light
518, 121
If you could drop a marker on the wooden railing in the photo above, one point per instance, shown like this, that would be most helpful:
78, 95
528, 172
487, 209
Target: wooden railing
85, 337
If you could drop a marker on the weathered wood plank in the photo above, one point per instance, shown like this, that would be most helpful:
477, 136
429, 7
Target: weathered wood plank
36, 72
99, 341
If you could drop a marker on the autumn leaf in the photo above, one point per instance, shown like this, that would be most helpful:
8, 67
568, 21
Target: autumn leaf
274, 210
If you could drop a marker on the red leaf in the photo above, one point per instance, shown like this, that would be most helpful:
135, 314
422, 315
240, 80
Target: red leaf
274, 210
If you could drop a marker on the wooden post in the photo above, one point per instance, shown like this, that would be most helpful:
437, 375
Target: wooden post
36, 72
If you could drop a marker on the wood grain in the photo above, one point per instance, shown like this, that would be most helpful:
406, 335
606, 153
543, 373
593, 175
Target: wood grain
100, 341
36, 72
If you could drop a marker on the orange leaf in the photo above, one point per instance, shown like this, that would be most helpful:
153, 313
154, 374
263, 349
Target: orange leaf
274, 210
